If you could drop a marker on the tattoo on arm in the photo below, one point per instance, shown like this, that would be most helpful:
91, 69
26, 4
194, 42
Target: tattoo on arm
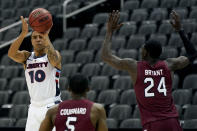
51, 52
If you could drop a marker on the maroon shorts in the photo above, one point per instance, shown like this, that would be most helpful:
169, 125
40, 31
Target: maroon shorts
170, 124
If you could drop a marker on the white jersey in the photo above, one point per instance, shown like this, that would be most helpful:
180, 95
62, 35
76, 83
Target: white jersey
42, 78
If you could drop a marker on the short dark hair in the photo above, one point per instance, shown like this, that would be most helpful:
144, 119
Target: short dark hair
78, 83
153, 47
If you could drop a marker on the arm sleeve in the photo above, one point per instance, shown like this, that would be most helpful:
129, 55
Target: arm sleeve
189, 47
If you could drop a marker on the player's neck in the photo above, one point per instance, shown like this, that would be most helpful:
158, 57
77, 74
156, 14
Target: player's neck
39, 52
152, 61
78, 97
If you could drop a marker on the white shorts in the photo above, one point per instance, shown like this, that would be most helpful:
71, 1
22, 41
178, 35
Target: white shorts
35, 116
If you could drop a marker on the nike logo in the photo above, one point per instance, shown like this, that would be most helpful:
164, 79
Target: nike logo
30, 59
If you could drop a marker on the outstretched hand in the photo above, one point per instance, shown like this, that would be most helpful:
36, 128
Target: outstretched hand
45, 36
175, 21
24, 26
112, 23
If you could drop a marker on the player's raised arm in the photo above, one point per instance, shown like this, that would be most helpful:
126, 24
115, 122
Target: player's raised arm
14, 52
106, 54
189, 47
177, 63
53, 55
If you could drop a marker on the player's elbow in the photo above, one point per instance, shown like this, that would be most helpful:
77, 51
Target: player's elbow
105, 56
10, 54
182, 62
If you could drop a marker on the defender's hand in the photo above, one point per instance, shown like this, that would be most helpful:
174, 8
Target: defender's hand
24, 26
175, 21
112, 23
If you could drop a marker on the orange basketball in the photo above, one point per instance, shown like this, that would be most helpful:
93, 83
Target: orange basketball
40, 20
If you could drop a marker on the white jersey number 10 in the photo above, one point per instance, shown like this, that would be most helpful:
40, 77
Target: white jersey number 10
38, 75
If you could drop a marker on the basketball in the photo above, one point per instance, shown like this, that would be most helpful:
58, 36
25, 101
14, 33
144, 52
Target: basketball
40, 20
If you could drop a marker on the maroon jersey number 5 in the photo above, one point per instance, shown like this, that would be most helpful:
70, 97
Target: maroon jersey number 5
68, 125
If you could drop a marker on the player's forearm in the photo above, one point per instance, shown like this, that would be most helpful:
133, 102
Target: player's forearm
51, 53
189, 47
14, 47
106, 47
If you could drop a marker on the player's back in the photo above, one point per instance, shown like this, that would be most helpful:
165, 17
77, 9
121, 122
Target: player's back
153, 90
74, 115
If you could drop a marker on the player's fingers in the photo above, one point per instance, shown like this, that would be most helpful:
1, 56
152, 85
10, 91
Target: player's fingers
174, 17
110, 17
120, 25
113, 15
175, 14
117, 16
47, 32
26, 19
171, 22
22, 18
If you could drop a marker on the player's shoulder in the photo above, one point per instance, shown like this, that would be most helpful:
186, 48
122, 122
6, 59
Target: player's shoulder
130, 61
26, 52
53, 110
99, 108
98, 105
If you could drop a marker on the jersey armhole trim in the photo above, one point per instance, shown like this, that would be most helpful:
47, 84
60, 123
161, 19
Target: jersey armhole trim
137, 74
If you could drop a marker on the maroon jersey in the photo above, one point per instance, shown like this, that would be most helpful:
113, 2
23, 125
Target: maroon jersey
153, 90
74, 115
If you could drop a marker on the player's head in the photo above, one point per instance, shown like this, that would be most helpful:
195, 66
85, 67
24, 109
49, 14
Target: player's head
78, 84
37, 40
151, 48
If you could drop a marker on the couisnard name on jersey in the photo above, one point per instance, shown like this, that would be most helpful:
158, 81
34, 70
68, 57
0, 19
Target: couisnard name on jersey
37, 65
73, 111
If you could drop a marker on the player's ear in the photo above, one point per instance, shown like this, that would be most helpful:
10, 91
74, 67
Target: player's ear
145, 52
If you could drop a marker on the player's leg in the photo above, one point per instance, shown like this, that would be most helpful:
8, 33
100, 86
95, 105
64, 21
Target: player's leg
31, 119
170, 124
35, 117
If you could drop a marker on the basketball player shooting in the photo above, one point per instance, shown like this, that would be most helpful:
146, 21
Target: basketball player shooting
152, 79
42, 70
77, 114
